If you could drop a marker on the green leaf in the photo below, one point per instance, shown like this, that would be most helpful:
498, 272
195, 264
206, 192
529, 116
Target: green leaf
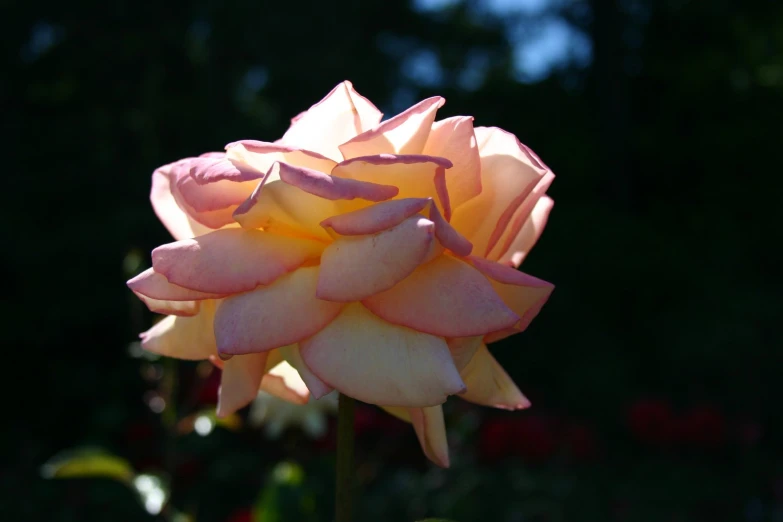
87, 462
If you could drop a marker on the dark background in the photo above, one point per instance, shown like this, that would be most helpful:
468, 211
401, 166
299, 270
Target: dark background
654, 369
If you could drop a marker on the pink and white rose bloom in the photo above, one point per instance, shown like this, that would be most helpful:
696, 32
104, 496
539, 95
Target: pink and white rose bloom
376, 258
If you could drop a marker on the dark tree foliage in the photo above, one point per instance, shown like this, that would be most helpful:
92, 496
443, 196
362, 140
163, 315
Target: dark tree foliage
653, 369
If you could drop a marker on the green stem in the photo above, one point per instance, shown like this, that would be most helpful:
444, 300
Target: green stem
345, 471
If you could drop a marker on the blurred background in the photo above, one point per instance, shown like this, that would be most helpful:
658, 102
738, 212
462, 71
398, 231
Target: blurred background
653, 370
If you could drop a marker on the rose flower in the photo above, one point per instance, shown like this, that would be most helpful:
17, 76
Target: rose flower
376, 258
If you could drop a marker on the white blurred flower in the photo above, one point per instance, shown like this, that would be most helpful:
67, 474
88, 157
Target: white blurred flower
276, 414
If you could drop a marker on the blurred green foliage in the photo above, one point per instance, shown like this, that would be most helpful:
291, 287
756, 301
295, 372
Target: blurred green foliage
661, 243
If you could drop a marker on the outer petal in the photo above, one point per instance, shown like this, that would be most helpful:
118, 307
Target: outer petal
453, 138
170, 213
416, 176
445, 297
239, 382
405, 133
523, 293
325, 186
273, 316
153, 285
489, 385
509, 175
431, 431
283, 381
316, 386
527, 237
379, 363
188, 338
230, 261
217, 195
160, 306
353, 268
340, 116
214, 167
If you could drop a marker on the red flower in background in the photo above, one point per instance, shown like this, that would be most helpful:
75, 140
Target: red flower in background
702, 427
242, 515
580, 441
531, 437
652, 422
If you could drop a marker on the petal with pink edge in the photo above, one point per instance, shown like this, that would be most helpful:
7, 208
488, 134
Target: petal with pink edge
489, 384
527, 237
340, 116
176, 220
259, 156
453, 138
153, 285
269, 317
509, 175
405, 133
415, 176
316, 386
189, 338
431, 432
231, 261
353, 268
445, 297
159, 306
213, 196
240, 382
523, 293
218, 167
373, 361
375, 218
326, 186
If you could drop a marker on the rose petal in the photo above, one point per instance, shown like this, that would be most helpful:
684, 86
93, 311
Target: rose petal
239, 382
189, 338
212, 169
340, 116
353, 268
284, 382
375, 218
416, 176
448, 235
523, 293
453, 138
333, 188
153, 285
269, 317
171, 214
489, 384
230, 261
527, 237
379, 363
445, 297
405, 133
463, 349
509, 175
259, 156
160, 306
218, 195
316, 386
431, 432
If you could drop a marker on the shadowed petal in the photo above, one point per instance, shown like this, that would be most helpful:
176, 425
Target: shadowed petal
316, 386
284, 382
240, 382
379, 363
272, 316
353, 268
445, 297
431, 432
188, 338
230, 261
489, 384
